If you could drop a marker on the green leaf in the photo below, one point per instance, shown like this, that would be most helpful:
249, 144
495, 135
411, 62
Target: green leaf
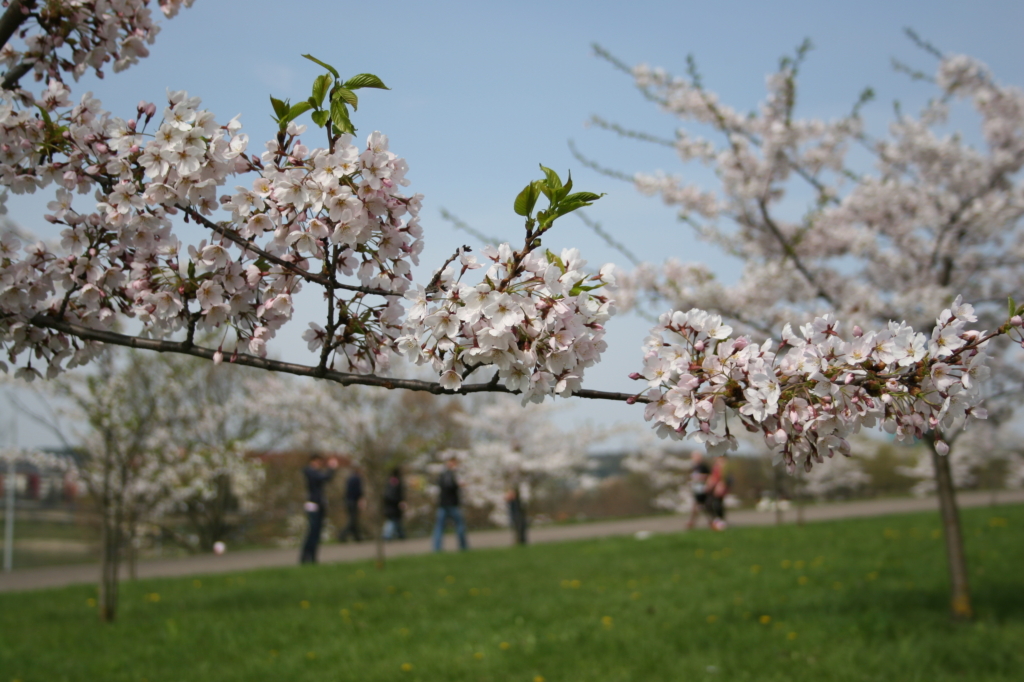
298, 110
339, 115
580, 288
1013, 307
365, 80
553, 258
346, 96
527, 199
321, 117
320, 87
280, 107
583, 197
330, 68
554, 182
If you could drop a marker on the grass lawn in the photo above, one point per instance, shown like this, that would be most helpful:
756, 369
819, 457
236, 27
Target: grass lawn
852, 600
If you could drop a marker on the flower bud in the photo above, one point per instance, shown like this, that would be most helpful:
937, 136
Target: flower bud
150, 110
635, 375
132, 123
699, 346
631, 400
218, 357
1016, 321
740, 343
857, 331
941, 447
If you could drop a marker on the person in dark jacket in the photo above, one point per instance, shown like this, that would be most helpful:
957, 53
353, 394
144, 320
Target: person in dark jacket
317, 475
448, 505
353, 503
516, 514
394, 506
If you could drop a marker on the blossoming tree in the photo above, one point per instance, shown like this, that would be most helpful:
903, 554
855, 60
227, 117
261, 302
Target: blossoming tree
933, 219
334, 217
162, 442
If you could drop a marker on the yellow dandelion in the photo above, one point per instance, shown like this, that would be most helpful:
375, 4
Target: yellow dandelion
837, 585
474, 592
606, 621
479, 655
936, 534
635, 595
90, 602
504, 646
441, 591
538, 678
755, 569
803, 580
575, 584
311, 655
786, 563
197, 583
712, 618
392, 589
273, 652
998, 522
699, 553
360, 573
764, 620
407, 594
406, 667
449, 579
791, 636
344, 613
304, 604
873, 575
404, 632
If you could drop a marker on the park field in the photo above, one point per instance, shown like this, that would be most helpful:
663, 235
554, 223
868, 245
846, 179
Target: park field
851, 600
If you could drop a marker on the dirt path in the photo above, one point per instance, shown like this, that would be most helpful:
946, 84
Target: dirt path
59, 576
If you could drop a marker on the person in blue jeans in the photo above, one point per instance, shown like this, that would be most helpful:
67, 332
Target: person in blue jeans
448, 505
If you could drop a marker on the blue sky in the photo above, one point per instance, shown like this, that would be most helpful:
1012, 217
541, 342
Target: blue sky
483, 92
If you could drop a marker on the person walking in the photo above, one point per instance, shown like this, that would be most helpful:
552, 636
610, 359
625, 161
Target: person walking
699, 473
353, 504
516, 514
317, 476
448, 505
718, 483
394, 506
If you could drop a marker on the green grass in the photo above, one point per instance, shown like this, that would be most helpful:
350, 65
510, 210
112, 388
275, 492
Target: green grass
853, 600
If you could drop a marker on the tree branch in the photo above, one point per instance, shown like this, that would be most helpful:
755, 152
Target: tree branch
345, 379
16, 15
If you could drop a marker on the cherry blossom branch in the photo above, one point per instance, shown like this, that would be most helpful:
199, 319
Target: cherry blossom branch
343, 378
246, 244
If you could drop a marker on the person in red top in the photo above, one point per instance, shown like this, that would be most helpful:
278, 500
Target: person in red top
718, 484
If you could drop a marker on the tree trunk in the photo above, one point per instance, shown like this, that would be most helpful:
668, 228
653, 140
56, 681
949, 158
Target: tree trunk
960, 591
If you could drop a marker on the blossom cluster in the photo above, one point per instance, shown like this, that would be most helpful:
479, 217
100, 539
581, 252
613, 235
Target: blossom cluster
74, 36
534, 316
809, 394
120, 256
